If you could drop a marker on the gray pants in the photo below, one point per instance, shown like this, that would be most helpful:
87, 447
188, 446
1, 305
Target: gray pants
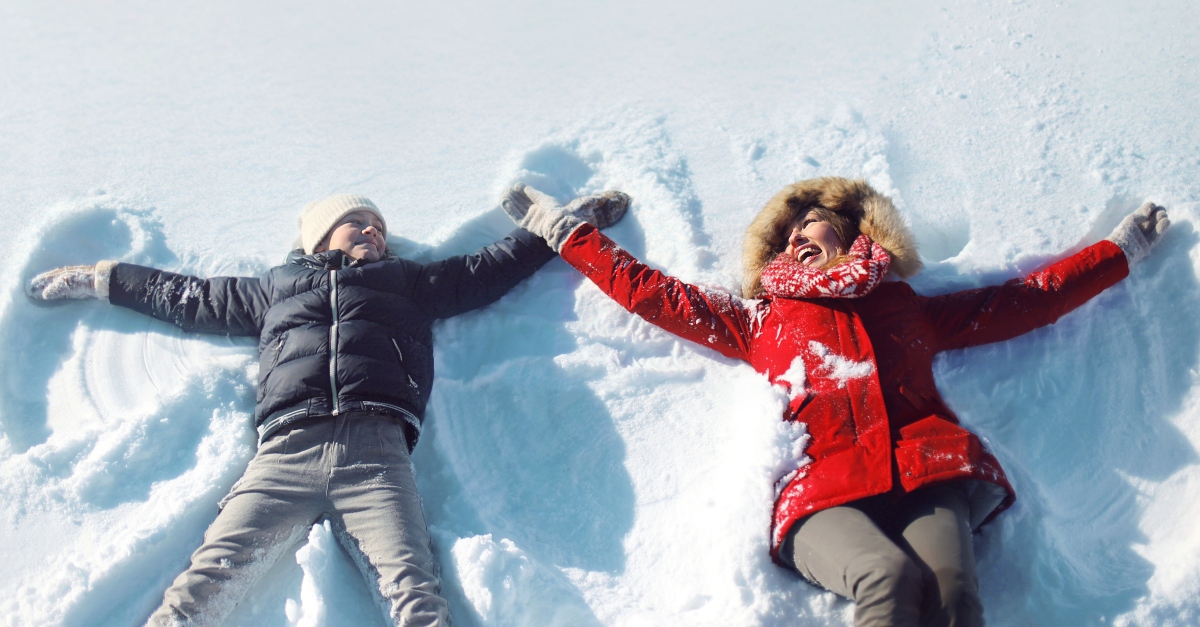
353, 469
905, 563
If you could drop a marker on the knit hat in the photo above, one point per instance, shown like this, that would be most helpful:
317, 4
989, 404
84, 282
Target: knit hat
320, 217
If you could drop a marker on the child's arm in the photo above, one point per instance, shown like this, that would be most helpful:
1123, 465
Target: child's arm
459, 284
453, 286
224, 305
994, 314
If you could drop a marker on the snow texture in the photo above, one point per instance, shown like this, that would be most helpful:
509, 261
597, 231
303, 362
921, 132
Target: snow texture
837, 367
579, 465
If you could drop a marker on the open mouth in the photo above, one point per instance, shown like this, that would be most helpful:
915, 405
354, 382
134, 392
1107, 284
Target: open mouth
808, 253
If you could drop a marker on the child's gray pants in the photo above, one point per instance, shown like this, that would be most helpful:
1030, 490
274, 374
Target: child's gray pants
905, 563
353, 469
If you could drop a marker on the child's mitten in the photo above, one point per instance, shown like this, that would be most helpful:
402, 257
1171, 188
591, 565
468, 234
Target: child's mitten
1141, 231
542, 215
73, 282
516, 202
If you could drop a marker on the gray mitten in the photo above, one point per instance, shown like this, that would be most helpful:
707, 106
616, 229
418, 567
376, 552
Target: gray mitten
1141, 231
73, 282
542, 215
601, 210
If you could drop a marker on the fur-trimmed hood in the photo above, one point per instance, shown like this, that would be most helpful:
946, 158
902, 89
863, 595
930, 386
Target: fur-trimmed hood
874, 213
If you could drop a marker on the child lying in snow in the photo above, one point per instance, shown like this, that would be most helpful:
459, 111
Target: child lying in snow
883, 512
345, 369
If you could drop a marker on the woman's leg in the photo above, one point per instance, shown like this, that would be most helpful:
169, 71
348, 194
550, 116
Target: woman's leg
843, 550
933, 522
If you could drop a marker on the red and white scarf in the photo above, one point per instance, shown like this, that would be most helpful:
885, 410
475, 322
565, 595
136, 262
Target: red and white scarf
868, 264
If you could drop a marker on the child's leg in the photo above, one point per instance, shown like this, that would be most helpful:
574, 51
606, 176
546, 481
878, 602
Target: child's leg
843, 550
378, 514
270, 508
934, 524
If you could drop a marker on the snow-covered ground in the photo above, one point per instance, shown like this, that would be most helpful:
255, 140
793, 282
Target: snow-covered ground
579, 466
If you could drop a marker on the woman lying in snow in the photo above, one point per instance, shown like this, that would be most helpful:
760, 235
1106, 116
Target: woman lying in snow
883, 513
345, 369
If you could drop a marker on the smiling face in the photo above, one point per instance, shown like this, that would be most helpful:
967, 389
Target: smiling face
812, 241
359, 234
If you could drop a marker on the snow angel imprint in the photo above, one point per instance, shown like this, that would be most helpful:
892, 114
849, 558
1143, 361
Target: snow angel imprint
346, 368
884, 512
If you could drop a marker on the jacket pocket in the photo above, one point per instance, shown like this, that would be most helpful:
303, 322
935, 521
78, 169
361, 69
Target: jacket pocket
278, 350
267, 363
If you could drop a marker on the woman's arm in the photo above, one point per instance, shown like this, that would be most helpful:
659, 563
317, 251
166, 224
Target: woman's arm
714, 319
994, 314
998, 313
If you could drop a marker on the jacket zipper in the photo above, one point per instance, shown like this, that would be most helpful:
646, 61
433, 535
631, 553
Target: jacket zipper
333, 341
278, 352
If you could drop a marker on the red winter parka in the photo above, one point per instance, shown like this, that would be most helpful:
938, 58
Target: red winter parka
869, 401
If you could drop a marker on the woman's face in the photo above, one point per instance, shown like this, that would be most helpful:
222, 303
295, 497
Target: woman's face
812, 241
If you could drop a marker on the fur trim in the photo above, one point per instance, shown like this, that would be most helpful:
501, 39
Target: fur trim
875, 214
550, 223
103, 278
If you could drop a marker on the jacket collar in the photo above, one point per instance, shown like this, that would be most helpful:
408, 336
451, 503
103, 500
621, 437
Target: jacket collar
330, 260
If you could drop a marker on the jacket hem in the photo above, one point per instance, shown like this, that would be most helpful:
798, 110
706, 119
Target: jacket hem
291, 415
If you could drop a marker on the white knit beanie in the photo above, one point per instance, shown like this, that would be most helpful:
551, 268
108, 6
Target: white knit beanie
320, 217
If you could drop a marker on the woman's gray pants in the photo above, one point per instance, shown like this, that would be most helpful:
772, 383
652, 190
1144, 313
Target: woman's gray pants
353, 469
903, 563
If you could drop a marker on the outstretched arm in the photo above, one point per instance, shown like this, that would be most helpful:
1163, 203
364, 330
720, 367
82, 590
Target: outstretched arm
459, 284
223, 305
994, 314
714, 319
453, 286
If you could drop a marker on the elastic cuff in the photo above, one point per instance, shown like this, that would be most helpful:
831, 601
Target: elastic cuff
103, 277
561, 230
1132, 242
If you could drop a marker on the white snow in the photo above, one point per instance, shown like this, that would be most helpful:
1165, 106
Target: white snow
795, 378
838, 367
580, 466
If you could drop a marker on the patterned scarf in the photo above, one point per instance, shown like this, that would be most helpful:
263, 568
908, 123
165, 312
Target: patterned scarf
788, 278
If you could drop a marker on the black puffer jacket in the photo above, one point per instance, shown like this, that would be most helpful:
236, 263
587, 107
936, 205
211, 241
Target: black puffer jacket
335, 334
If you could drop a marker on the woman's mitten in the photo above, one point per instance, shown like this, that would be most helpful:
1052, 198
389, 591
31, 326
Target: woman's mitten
74, 282
1141, 231
540, 214
601, 210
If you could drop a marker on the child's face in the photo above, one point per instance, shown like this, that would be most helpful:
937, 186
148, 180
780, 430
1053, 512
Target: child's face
359, 234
